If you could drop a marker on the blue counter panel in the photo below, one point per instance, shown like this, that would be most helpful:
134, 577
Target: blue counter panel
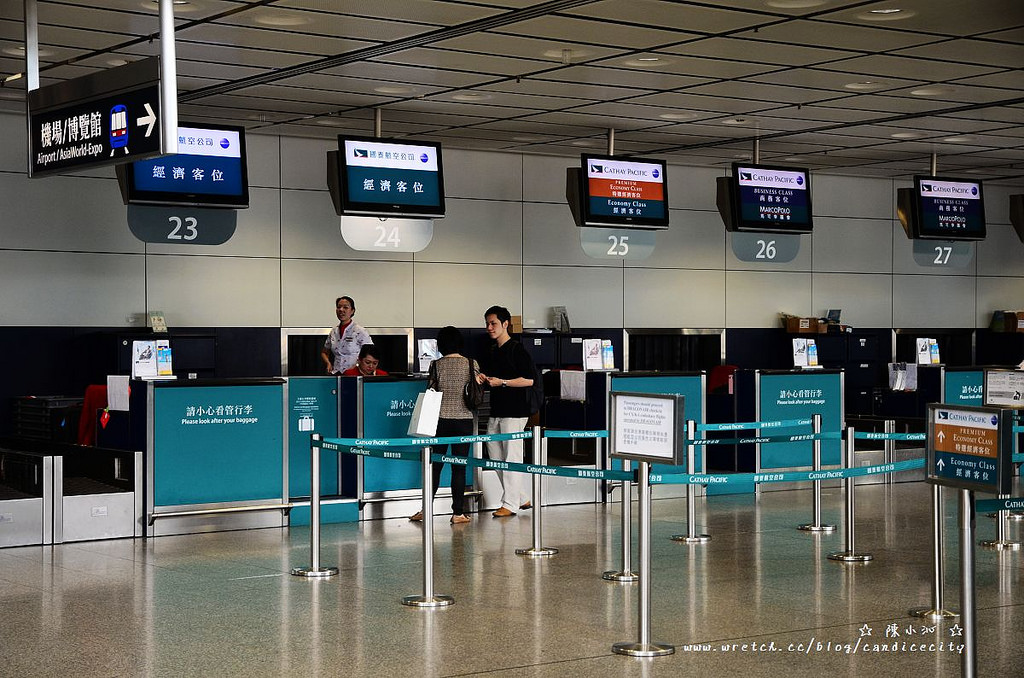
217, 444
312, 408
797, 395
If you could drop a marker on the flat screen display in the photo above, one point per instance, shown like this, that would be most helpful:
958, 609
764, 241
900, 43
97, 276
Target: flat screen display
390, 177
623, 192
209, 170
771, 199
948, 209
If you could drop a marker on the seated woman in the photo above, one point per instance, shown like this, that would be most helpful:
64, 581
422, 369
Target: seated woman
449, 374
366, 364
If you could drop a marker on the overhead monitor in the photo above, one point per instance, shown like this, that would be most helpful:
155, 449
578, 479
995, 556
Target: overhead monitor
386, 177
619, 192
209, 170
942, 209
767, 199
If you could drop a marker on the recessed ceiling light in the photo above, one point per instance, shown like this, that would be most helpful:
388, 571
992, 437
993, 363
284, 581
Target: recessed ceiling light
566, 55
471, 96
864, 85
792, 158
932, 90
678, 116
330, 122
905, 135
528, 139
957, 139
281, 19
648, 61
116, 62
583, 142
886, 14
179, 5
794, 4
393, 89
20, 51
736, 121
742, 156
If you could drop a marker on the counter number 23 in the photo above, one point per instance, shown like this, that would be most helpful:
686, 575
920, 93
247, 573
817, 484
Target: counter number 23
183, 228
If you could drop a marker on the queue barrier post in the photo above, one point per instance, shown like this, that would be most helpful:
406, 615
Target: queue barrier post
816, 527
850, 555
540, 457
429, 599
889, 454
626, 574
936, 611
314, 571
644, 647
1002, 541
969, 657
691, 536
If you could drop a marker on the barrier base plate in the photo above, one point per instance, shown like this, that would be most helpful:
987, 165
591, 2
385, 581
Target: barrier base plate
1000, 544
621, 576
537, 552
310, 573
691, 539
847, 557
809, 527
643, 649
436, 600
932, 613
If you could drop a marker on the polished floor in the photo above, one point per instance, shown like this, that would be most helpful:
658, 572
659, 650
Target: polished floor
760, 599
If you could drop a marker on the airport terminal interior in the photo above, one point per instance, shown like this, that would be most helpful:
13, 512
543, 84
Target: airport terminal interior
817, 209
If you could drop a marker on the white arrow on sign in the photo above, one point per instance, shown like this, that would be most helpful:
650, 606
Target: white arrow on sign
940, 465
941, 436
148, 119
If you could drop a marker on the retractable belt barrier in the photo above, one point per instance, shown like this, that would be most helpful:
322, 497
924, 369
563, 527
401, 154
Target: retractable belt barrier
782, 476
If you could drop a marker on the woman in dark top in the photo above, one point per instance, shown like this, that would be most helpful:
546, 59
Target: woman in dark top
449, 374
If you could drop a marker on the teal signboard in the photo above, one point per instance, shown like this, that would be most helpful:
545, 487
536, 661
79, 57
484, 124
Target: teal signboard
312, 408
690, 386
216, 444
962, 387
798, 395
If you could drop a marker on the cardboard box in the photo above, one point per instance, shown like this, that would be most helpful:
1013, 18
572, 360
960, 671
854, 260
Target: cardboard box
797, 325
1007, 321
517, 324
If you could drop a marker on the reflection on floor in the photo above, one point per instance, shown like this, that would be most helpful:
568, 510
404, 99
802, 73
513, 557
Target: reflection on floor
760, 599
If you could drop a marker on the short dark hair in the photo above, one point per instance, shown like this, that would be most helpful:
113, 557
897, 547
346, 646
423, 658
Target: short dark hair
368, 349
349, 300
500, 312
450, 340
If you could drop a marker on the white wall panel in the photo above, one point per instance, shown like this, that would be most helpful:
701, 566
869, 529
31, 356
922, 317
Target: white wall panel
454, 294
68, 288
674, 298
1001, 252
382, 291
591, 296
479, 174
310, 229
865, 300
64, 213
834, 196
933, 301
998, 294
544, 178
478, 231
755, 299
693, 188
215, 291
693, 240
264, 160
304, 162
551, 237
904, 262
14, 149
842, 244
258, 233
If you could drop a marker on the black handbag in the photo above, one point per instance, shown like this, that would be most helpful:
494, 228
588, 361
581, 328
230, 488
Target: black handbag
472, 392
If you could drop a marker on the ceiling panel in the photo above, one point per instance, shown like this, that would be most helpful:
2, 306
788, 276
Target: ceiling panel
867, 39
759, 51
944, 17
600, 32
594, 75
693, 18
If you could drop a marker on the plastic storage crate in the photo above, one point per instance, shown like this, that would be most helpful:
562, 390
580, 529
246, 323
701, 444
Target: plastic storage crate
52, 418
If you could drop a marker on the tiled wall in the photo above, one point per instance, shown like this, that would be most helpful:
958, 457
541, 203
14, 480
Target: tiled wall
68, 259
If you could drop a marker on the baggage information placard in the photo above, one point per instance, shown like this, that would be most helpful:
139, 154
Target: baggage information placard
648, 427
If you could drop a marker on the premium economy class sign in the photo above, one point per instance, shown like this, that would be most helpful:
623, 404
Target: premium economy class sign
620, 191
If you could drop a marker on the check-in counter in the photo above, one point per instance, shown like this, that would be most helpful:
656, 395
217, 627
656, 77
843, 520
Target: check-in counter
26, 498
381, 407
215, 454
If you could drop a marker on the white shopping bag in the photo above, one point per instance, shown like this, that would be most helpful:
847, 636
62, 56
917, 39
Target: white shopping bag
425, 414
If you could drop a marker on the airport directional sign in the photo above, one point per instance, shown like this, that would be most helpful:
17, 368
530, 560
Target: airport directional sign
969, 447
104, 118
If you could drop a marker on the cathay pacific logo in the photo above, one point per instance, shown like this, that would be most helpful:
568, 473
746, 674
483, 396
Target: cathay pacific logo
424, 158
360, 153
597, 169
745, 176
799, 180
655, 173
